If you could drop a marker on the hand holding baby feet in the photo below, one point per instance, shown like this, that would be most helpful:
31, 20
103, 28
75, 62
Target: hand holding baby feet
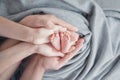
56, 63
45, 21
41, 35
64, 41
48, 50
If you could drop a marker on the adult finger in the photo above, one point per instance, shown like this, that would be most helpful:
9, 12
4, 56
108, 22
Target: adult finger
42, 35
37, 21
46, 21
48, 50
63, 23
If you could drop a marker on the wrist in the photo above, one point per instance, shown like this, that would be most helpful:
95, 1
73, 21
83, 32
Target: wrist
30, 35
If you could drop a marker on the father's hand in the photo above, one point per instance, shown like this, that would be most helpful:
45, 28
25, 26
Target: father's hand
56, 63
20, 32
44, 26
46, 21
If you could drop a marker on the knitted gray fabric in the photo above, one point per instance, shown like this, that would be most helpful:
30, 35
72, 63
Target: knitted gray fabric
99, 59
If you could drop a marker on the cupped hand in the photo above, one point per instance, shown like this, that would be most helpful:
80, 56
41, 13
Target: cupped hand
45, 25
56, 63
45, 21
64, 41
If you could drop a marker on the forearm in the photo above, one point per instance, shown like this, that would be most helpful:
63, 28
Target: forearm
34, 71
15, 30
15, 54
6, 75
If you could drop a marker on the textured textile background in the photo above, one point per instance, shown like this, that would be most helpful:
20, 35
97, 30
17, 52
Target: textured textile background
99, 21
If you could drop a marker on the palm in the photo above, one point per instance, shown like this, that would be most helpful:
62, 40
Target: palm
58, 62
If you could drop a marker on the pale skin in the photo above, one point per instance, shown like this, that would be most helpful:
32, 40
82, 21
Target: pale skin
35, 71
32, 47
64, 40
20, 32
14, 30
36, 68
39, 64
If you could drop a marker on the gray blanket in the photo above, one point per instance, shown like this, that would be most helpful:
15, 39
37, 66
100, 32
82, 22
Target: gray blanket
99, 59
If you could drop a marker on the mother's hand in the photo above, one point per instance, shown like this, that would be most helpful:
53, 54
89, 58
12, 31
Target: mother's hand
44, 26
20, 32
46, 21
13, 51
39, 64
56, 63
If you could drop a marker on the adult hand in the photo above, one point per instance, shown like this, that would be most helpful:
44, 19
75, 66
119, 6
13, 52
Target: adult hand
21, 50
58, 62
46, 21
39, 64
20, 32
45, 25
